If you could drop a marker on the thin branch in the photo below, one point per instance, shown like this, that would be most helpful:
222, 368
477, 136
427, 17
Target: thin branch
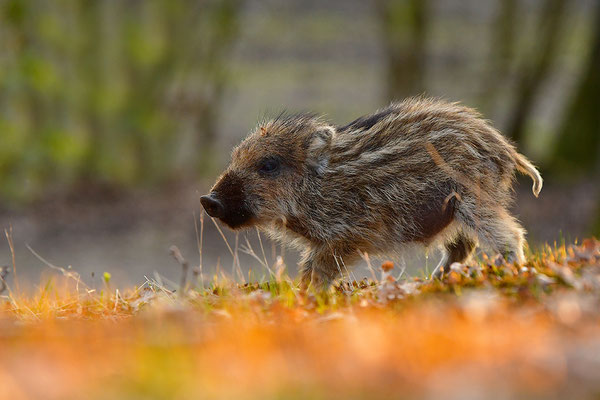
8, 234
199, 241
73, 275
236, 260
185, 266
365, 257
3, 274
223, 236
262, 249
250, 251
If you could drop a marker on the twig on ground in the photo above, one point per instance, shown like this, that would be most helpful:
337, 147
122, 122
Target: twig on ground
223, 236
157, 283
247, 249
176, 254
199, 242
69, 274
367, 259
236, 259
262, 249
3, 274
8, 234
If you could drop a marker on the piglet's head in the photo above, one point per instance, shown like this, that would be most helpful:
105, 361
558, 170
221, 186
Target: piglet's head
268, 170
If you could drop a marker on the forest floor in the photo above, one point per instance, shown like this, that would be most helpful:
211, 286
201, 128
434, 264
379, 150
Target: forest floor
488, 330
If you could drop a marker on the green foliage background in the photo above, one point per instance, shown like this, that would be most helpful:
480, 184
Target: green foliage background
105, 91
123, 93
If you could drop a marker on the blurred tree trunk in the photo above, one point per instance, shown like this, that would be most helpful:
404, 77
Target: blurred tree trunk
502, 51
578, 144
535, 70
404, 28
90, 53
86, 89
226, 17
202, 100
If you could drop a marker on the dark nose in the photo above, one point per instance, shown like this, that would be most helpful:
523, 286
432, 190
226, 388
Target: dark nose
212, 205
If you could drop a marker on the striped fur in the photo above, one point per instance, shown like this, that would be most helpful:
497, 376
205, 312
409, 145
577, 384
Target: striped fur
419, 171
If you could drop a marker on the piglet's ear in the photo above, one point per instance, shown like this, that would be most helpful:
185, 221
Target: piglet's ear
318, 148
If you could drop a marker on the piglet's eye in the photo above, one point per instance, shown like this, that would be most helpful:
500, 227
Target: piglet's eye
269, 166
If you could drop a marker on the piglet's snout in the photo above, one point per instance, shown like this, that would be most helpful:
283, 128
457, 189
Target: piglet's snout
212, 205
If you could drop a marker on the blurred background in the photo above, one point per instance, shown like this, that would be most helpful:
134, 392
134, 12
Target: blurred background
116, 115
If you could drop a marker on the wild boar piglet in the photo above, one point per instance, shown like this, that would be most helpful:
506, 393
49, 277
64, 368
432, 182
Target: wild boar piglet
418, 171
